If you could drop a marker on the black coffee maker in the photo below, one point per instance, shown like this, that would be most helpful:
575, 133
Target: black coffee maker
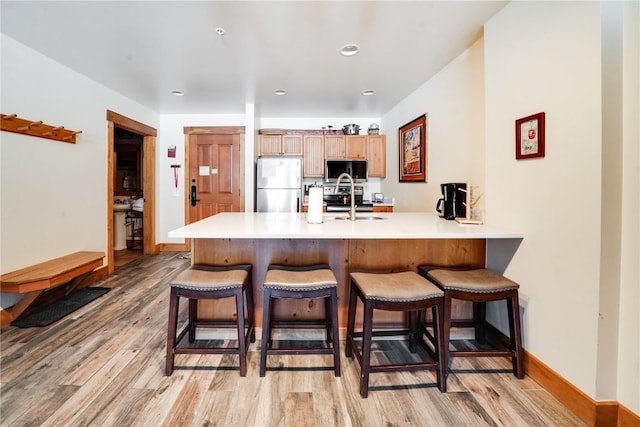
453, 202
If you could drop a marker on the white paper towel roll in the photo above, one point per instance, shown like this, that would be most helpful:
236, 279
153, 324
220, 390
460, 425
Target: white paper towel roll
314, 214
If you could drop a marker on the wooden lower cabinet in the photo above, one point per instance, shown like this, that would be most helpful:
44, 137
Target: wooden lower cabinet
343, 256
306, 208
382, 208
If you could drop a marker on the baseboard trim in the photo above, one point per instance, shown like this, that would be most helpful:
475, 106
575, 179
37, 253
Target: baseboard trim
594, 413
173, 247
627, 418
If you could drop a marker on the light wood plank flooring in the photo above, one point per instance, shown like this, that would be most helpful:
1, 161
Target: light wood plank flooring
104, 366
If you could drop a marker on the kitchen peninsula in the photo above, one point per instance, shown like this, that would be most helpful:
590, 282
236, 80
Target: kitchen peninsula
382, 241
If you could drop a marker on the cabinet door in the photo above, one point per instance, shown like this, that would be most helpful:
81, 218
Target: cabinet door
292, 145
334, 147
356, 147
377, 156
270, 145
313, 161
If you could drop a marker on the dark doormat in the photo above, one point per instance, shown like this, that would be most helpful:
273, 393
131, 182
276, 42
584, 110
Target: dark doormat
55, 311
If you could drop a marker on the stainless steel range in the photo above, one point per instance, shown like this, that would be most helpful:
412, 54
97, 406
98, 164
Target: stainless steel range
341, 202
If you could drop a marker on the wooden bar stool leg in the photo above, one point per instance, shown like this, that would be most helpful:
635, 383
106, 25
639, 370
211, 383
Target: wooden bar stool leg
250, 314
413, 330
333, 316
266, 334
242, 343
480, 330
351, 322
328, 318
172, 329
193, 317
440, 345
367, 333
515, 332
446, 331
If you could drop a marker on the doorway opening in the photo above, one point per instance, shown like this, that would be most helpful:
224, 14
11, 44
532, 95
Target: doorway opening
128, 196
130, 190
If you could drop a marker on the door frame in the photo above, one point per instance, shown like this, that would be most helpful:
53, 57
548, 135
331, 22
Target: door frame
210, 130
149, 135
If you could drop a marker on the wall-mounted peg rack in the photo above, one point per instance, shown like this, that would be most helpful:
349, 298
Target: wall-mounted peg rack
13, 123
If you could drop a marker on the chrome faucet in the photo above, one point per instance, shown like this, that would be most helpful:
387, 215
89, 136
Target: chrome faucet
352, 211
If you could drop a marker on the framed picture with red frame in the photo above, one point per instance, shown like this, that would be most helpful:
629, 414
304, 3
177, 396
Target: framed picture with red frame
412, 140
530, 136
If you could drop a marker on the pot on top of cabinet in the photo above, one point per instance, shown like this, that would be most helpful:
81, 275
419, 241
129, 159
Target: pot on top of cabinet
351, 129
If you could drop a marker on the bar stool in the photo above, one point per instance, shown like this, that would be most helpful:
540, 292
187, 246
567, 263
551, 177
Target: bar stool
211, 282
300, 282
404, 291
479, 286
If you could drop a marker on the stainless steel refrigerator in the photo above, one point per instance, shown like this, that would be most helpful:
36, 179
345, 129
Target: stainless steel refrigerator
279, 184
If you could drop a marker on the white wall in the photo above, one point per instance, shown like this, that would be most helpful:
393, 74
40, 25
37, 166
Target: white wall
171, 203
547, 56
53, 195
628, 386
454, 103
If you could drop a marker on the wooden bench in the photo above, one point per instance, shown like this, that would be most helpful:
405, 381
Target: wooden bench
35, 279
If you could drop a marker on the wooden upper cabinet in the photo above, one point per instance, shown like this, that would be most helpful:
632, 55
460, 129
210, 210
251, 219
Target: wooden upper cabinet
356, 147
377, 156
269, 145
352, 147
292, 145
315, 149
334, 147
313, 160
279, 145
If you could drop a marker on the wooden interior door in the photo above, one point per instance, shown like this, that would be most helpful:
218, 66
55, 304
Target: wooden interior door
214, 183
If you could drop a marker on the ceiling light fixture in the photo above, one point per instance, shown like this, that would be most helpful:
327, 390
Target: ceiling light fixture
280, 92
220, 31
368, 92
349, 49
177, 92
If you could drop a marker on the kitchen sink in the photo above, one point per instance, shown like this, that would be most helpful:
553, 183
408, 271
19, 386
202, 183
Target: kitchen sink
358, 217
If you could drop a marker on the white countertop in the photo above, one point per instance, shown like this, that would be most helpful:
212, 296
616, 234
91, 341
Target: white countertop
249, 225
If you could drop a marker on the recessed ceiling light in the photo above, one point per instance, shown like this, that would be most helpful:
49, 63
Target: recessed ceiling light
280, 92
368, 92
349, 49
177, 92
220, 31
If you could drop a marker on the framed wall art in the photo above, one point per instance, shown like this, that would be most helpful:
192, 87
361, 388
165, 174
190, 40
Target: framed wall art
530, 136
412, 141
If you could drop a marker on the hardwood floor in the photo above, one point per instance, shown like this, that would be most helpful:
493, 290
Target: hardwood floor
103, 365
125, 256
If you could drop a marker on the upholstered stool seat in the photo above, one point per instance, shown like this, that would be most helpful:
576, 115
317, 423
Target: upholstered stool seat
404, 291
479, 285
300, 282
211, 282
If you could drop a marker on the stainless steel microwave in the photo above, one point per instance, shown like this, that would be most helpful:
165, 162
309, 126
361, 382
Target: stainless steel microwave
356, 168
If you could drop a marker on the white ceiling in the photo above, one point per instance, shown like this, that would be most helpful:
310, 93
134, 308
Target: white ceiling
146, 49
